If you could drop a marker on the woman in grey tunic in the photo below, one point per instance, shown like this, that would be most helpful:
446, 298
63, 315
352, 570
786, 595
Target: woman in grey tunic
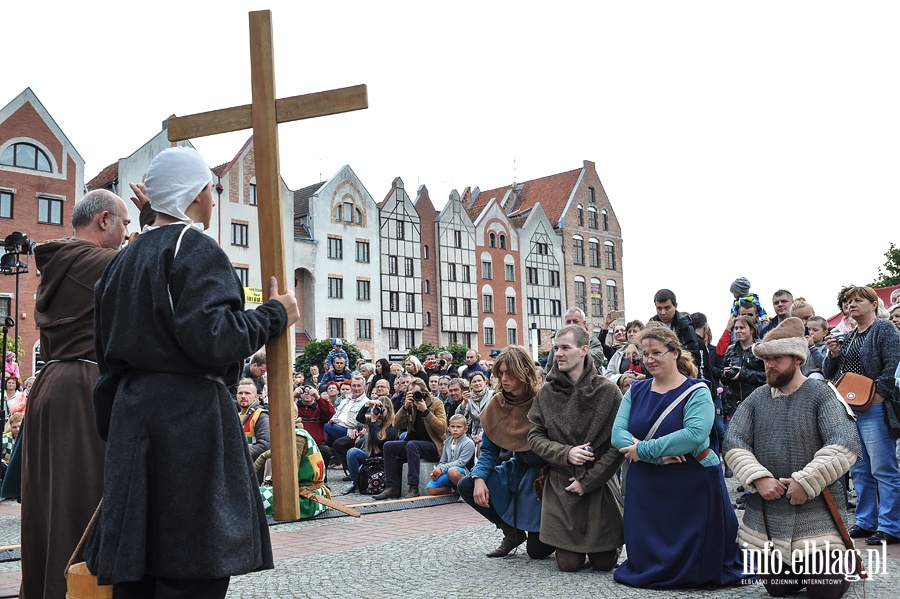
170, 331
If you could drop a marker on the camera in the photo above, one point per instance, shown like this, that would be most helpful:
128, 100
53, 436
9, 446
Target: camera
635, 359
589, 449
376, 410
418, 396
729, 373
443, 364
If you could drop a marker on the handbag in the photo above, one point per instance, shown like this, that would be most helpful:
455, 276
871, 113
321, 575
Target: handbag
80, 582
371, 476
857, 390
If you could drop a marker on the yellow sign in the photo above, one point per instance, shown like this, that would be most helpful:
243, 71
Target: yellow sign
253, 295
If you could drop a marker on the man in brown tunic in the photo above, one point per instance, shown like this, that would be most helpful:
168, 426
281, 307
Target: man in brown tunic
62, 461
571, 425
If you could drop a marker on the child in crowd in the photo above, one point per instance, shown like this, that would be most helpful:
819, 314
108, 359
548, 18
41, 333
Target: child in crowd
740, 289
337, 350
455, 459
818, 328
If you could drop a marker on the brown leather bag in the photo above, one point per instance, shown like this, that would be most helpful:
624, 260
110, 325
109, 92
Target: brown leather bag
857, 390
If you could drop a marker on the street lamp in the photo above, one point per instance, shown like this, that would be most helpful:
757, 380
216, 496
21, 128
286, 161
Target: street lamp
16, 245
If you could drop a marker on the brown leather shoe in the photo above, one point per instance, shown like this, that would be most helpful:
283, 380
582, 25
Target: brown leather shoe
512, 538
388, 493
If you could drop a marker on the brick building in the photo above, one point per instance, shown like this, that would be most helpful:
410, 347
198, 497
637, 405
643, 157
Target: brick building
41, 178
430, 272
577, 206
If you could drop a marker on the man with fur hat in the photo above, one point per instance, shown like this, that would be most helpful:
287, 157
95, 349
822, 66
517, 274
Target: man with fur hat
170, 323
788, 443
571, 427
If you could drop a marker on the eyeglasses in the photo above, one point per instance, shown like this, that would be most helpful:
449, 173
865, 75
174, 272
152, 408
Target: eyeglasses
656, 356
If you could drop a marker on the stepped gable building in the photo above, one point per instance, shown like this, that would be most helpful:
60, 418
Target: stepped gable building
401, 270
542, 271
430, 272
578, 208
41, 179
338, 223
456, 249
499, 278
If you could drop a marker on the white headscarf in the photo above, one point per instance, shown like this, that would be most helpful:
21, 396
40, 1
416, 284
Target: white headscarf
175, 179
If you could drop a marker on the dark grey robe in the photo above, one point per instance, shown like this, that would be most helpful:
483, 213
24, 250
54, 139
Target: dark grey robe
181, 499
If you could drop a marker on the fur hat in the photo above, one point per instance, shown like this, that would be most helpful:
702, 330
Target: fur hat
786, 339
741, 286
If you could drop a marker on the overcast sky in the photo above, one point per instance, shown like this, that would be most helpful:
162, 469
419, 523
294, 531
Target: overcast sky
733, 139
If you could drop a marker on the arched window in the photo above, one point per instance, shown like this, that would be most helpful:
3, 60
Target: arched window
592, 217
502, 242
492, 240
605, 218
26, 155
580, 216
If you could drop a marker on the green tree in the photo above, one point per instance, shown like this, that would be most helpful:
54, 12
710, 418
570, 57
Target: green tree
891, 273
459, 353
316, 351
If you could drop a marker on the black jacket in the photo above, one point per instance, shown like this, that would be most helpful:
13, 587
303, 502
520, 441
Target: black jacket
752, 375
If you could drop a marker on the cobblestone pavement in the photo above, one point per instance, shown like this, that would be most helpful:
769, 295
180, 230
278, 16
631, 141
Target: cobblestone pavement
426, 552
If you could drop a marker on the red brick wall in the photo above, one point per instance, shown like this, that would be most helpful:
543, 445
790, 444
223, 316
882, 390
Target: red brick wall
430, 301
27, 123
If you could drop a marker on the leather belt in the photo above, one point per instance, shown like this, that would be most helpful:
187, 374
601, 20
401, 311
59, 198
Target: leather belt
702, 455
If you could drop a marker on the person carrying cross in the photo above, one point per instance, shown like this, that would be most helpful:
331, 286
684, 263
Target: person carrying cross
170, 323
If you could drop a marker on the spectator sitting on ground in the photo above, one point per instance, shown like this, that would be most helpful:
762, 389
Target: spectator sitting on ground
337, 349
338, 373
378, 417
456, 459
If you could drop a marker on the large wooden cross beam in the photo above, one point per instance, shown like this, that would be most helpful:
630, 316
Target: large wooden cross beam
263, 115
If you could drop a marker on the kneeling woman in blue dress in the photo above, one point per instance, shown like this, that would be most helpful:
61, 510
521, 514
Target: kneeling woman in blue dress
502, 489
680, 527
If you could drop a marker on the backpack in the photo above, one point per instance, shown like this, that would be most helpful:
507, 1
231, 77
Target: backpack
371, 476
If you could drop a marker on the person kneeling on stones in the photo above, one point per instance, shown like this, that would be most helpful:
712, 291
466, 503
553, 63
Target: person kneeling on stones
571, 427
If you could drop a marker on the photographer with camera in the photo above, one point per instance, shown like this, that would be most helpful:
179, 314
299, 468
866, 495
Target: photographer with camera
743, 372
425, 422
377, 416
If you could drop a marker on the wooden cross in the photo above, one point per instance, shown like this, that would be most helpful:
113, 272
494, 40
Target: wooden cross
263, 115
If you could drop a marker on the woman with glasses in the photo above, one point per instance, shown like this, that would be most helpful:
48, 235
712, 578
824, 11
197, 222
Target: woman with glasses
871, 349
680, 528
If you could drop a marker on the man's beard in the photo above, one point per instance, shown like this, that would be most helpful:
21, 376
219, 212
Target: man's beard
780, 379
